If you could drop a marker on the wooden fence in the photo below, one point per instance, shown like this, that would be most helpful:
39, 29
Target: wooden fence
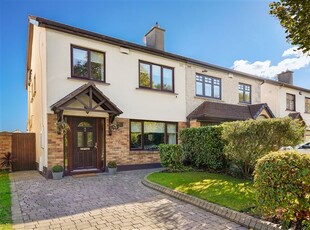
24, 151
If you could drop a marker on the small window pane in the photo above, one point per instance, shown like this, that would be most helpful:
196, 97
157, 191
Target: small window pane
172, 133
90, 141
240, 95
97, 67
307, 105
80, 63
156, 77
145, 78
168, 81
135, 135
172, 138
80, 139
199, 88
171, 128
208, 90
216, 91
247, 96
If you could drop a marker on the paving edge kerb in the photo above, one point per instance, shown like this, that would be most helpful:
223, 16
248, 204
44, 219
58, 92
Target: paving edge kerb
237, 217
17, 217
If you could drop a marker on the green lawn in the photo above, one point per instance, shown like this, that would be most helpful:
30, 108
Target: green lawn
5, 202
224, 190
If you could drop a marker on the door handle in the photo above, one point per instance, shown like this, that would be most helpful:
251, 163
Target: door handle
95, 145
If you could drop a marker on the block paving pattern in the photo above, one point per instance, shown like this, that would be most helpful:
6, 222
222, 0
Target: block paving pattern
102, 202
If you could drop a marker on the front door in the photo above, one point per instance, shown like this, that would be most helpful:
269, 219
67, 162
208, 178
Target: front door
85, 144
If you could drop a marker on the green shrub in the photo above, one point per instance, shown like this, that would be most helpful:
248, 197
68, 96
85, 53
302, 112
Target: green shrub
203, 147
112, 164
57, 168
247, 141
282, 184
171, 156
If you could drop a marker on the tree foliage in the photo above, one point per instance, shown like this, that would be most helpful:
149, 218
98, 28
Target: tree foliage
282, 187
247, 141
294, 16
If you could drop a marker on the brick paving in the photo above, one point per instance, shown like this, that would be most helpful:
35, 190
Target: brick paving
102, 202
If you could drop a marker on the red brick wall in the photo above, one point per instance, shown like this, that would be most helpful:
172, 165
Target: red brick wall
118, 149
55, 143
117, 145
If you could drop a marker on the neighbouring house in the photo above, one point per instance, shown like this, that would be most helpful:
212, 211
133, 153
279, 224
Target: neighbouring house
93, 98
286, 99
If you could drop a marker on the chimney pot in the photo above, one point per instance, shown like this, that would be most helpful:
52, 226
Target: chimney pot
155, 38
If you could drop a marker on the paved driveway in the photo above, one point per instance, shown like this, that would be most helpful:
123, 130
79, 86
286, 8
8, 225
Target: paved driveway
103, 202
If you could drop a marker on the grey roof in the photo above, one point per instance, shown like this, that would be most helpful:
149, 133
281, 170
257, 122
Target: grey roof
219, 112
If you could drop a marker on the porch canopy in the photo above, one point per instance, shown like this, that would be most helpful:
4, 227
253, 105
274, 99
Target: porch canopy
216, 112
87, 98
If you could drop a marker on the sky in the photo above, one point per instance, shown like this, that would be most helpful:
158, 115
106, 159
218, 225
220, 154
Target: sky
238, 34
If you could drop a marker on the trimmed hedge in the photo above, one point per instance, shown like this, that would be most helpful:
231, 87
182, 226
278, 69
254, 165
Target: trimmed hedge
282, 183
247, 141
203, 147
171, 157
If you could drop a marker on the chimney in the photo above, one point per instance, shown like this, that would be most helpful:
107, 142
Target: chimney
155, 38
286, 77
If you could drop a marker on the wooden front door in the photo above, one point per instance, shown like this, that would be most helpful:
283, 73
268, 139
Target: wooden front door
85, 144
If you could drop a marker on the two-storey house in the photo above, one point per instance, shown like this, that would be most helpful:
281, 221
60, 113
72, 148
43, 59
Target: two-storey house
286, 99
93, 98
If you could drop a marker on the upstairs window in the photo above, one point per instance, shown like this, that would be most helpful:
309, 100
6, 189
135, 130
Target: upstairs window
307, 105
88, 64
290, 102
244, 93
208, 86
156, 77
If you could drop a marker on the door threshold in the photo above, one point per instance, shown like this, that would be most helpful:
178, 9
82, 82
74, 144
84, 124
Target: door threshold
85, 171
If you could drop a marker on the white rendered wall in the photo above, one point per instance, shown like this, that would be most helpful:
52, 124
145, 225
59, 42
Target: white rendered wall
122, 74
229, 89
37, 119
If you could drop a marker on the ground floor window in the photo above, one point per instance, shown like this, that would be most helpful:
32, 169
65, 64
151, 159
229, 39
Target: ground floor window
148, 135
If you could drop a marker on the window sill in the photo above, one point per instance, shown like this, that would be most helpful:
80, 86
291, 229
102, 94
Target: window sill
87, 79
209, 98
143, 151
157, 91
290, 110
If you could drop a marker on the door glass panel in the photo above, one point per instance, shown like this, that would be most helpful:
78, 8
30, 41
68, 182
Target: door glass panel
90, 142
84, 124
80, 139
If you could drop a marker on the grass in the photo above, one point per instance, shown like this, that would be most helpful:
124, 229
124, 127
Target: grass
5, 201
224, 190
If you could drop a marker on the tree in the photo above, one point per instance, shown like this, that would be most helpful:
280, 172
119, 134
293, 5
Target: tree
294, 16
247, 141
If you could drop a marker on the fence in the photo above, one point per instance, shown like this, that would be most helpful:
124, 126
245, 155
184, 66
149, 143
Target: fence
22, 147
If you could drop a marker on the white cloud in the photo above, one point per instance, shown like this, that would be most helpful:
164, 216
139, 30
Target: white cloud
294, 60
